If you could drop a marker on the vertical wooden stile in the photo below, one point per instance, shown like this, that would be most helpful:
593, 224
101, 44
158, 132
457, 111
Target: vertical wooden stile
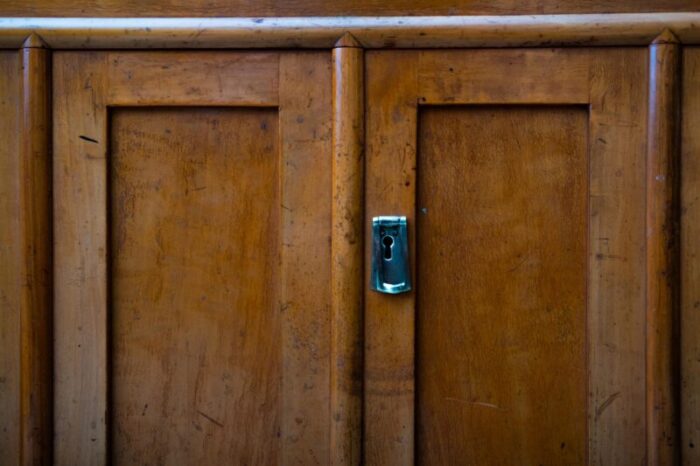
36, 274
662, 251
390, 320
346, 252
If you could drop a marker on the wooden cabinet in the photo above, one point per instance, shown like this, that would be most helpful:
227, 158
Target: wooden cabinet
187, 253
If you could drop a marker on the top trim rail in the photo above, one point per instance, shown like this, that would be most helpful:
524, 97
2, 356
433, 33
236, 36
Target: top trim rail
371, 32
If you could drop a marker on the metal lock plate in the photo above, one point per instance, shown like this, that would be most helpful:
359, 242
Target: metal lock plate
391, 271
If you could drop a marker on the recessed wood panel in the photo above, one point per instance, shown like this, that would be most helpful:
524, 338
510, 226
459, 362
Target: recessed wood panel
195, 328
9, 260
501, 295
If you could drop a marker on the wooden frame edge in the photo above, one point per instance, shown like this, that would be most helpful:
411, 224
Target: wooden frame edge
370, 32
347, 266
662, 250
36, 300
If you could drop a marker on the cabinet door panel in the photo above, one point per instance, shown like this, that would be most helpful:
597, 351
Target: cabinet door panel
501, 306
184, 283
522, 176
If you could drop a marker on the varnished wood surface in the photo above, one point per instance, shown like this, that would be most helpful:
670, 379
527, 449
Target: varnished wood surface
193, 319
614, 422
616, 240
243, 79
305, 137
371, 32
442, 79
339, 7
389, 394
85, 294
501, 370
690, 259
80, 259
10, 260
615, 272
662, 251
84, 85
36, 298
347, 274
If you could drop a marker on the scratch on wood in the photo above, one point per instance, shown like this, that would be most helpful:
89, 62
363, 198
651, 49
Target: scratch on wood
478, 403
606, 404
85, 138
211, 419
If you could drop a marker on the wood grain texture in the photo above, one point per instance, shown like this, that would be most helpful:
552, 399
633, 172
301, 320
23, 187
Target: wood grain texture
372, 32
615, 320
391, 99
501, 327
445, 80
83, 82
117, 8
617, 145
36, 313
616, 263
10, 258
80, 259
194, 324
347, 273
172, 78
690, 259
662, 251
306, 142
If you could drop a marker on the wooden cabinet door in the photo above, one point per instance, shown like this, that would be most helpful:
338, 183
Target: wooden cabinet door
522, 174
192, 212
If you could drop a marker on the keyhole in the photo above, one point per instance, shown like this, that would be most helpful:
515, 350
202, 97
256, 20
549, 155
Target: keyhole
388, 242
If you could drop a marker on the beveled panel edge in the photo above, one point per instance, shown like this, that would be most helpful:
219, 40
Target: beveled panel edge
370, 32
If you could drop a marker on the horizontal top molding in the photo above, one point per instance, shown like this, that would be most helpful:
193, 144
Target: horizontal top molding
371, 32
